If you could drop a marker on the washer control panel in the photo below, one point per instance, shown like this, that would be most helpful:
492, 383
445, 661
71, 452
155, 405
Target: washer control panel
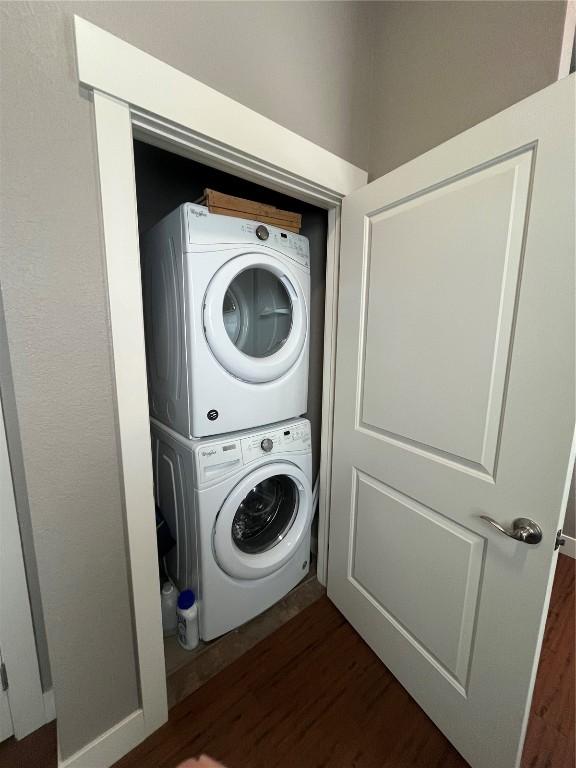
292, 438
217, 460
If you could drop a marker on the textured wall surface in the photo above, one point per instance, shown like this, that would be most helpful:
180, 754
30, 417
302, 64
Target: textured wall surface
305, 65
59, 342
442, 67
306, 70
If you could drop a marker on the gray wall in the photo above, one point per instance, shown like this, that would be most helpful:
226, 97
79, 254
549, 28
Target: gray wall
59, 341
442, 67
305, 65
307, 70
437, 69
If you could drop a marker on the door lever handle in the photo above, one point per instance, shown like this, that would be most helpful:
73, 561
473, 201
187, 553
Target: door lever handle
523, 529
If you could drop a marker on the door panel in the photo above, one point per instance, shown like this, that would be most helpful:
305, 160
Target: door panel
440, 286
455, 399
389, 567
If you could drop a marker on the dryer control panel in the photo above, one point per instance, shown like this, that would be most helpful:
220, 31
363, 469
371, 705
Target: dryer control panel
291, 438
205, 228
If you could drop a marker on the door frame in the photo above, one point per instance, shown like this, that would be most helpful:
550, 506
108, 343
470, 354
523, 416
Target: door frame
568, 39
186, 117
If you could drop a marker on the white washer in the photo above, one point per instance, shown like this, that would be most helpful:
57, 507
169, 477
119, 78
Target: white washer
227, 322
240, 509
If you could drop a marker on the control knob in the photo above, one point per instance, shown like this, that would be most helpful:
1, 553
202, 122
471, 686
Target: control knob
266, 445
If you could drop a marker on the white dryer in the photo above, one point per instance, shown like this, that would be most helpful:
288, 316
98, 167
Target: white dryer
227, 322
240, 510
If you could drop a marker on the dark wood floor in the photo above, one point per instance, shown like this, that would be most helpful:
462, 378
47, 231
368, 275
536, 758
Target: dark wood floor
550, 741
313, 694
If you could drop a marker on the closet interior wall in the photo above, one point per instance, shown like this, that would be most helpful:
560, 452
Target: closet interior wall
165, 180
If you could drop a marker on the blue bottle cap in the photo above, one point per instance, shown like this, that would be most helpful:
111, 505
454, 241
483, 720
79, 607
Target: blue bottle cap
186, 599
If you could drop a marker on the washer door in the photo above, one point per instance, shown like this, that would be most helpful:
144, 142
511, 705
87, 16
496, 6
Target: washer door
263, 521
255, 317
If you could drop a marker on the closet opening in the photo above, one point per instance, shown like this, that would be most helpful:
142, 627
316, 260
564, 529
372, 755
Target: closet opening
255, 516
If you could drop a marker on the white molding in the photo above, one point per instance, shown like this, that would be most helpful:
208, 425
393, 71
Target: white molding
189, 143
570, 547
110, 746
191, 119
16, 628
120, 222
49, 705
108, 64
567, 39
328, 383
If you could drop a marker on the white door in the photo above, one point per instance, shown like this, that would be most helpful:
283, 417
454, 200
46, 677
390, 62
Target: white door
455, 400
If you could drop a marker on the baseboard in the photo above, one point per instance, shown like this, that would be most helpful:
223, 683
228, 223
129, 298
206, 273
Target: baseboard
570, 547
49, 705
110, 746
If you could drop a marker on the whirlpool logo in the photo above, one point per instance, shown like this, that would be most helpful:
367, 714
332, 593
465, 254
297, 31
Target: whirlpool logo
208, 453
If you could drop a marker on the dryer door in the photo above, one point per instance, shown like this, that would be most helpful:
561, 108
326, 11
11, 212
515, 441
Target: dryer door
263, 521
255, 317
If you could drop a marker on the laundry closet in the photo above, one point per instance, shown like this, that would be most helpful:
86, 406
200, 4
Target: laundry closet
248, 417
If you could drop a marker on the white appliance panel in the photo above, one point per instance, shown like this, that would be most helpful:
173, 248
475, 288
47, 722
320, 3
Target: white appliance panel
195, 481
190, 388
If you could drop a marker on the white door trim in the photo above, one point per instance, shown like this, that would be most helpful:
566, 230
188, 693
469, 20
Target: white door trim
569, 547
187, 117
16, 629
110, 746
120, 223
568, 35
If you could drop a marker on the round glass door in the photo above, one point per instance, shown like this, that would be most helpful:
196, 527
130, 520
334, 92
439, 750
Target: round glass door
263, 521
257, 312
265, 515
255, 317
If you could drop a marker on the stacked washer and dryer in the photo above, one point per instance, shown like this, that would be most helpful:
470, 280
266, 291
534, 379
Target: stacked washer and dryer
226, 312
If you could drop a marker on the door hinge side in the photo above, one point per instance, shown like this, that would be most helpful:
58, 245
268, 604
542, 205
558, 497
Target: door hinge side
3, 677
560, 541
